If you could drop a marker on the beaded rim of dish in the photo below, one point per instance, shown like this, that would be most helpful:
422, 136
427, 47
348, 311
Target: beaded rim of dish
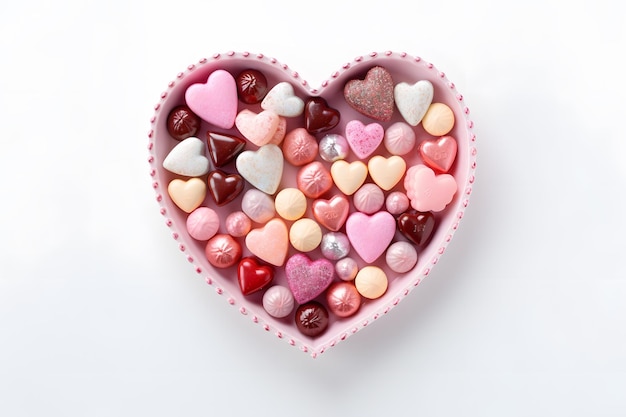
292, 340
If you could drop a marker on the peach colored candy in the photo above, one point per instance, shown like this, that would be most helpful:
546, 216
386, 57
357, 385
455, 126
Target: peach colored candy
290, 203
305, 235
299, 147
187, 195
371, 282
270, 242
438, 120
348, 177
427, 191
257, 128
386, 172
281, 131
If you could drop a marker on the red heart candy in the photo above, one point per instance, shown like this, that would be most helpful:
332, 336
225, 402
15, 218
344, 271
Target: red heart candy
253, 277
331, 214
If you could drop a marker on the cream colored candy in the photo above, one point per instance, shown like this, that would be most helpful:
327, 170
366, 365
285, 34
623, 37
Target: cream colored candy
438, 120
348, 176
386, 172
290, 203
187, 195
371, 282
305, 235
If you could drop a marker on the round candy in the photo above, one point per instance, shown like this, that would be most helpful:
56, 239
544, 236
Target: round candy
251, 86
238, 224
438, 120
290, 203
343, 299
333, 147
305, 235
258, 205
299, 147
203, 223
223, 251
182, 122
397, 202
401, 257
371, 282
278, 301
311, 318
346, 269
369, 198
314, 179
335, 245
399, 138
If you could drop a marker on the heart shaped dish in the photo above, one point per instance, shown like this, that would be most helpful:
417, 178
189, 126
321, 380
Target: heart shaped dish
312, 210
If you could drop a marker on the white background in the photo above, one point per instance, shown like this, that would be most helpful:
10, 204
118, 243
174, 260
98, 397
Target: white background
100, 314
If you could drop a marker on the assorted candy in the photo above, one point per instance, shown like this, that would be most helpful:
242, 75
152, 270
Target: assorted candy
353, 212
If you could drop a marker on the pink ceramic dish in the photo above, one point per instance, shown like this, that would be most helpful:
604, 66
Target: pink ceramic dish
403, 68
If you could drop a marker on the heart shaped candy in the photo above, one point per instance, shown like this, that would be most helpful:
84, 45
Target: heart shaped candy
253, 277
370, 235
216, 100
306, 278
187, 158
347, 92
262, 168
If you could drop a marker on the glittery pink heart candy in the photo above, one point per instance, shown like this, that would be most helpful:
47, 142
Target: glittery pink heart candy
216, 100
364, 139
306, 278
370, 235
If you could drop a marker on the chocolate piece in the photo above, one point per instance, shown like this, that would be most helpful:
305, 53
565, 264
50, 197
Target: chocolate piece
318, 117
251, 86
224, 188
311, 318
182, 123
224, 148
416, 226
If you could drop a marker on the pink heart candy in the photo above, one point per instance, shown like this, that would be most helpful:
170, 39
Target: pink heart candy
370, 235
439, 153
257, 128
427, 191
364, 139
306, 278
216, 100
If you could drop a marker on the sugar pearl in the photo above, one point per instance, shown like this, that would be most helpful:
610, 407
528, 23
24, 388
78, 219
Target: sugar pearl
335, 245
305, 235
369, 198
371, 282
278, 301
399, 138
401, 257
333, 147
258, 205
397, 202
346, 269
290, 203
238, 224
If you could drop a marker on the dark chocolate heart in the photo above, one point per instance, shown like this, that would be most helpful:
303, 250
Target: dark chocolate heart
223, 148
224, 187
318, 117
416, 226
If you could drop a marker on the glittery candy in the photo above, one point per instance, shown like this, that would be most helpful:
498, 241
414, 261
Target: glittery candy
306, 278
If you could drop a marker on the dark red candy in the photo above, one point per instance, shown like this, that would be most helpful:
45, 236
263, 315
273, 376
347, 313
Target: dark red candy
318, 117
253, 277
224, 187
224, 148
312, 318
182, 123
251, 86
416, 226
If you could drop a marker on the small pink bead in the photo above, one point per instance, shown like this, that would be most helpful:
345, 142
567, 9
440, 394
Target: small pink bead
397, 202
369, 198
346, 269
238, 224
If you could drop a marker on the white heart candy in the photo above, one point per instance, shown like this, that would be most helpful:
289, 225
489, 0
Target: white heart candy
413, 100
187, 158
262, 168
283, 101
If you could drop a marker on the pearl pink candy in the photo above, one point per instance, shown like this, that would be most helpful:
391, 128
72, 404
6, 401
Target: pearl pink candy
397, 202
369, 198
333, 147
223, 251
401, 257
278, 301
343, 299
314, 179
399, 138
346, 269
203, 223
258, 205
238, 224
335, 245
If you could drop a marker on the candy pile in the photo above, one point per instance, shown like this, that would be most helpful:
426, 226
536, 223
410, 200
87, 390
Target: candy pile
352, 208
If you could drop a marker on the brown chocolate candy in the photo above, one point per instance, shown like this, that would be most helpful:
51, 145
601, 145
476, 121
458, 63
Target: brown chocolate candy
311, 318
182, 122
416, 226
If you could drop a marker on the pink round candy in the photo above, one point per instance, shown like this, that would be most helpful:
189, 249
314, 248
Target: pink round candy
397, 202
399, 138
258, 205
314, 179
238, 224
346, 269
278, 301
369, 198
401, 257
203, 223
223, 251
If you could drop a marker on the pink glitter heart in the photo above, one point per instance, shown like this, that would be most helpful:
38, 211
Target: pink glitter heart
307, 279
